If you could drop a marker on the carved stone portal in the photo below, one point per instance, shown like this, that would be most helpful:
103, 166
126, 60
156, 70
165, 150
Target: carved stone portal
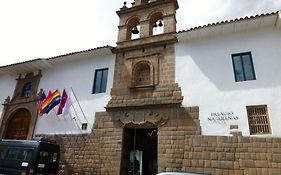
141, 117
21, 110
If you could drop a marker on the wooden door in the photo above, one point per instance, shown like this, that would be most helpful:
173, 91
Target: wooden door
18, 125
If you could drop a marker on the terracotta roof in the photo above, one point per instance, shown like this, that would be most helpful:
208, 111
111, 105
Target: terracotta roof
21, 62
55, 57
77, 52
230, 21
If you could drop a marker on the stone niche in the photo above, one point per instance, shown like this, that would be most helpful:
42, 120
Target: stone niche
143, 71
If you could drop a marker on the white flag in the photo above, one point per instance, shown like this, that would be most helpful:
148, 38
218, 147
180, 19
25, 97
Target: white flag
69, 102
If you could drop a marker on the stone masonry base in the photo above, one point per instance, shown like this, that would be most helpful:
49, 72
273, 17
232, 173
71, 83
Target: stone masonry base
180, 149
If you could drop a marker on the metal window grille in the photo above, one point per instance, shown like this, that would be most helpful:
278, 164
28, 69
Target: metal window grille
258, 120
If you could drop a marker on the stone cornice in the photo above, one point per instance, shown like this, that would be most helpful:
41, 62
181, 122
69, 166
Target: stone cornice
151, 41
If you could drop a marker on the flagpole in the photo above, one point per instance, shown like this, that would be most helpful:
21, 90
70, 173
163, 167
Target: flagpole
76, 124
55, 112
76, 114
79, 105
66, 103
58, 118
78, 119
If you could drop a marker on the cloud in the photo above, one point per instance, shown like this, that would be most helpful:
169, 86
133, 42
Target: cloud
194, 13
39, 29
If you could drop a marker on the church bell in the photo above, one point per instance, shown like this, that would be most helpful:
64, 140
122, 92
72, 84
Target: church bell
135, 30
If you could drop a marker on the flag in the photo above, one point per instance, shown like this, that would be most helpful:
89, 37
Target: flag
46, 101
62, 102
50, 101
69, 102
42, 98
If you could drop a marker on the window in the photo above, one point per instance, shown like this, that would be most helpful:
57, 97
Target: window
26, 90
44, 157
258, 119
54, 157
100, 81
19, 154
243, 67
3, 152
48, 157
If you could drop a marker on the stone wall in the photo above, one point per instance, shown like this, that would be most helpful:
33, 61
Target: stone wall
232, 155
171, 139
95, 153
180, 148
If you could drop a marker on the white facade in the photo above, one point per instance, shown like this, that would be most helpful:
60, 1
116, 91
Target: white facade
77, 74
72, 71
205, 74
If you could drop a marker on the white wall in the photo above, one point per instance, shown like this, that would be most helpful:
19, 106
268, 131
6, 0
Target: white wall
80, 76
204, 71
7, 86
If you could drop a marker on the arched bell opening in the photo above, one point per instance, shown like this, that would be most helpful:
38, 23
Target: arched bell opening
18, 125
156, 24
133, 28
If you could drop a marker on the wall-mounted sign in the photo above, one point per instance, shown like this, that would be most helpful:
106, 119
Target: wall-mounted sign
222, 117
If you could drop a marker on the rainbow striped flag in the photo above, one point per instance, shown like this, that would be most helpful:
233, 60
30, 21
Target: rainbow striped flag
50, 101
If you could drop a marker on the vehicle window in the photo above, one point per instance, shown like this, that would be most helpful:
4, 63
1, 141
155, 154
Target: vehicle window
48, 157
54, 157
3, 152
44, 157
13, 154
25, 155
19, 154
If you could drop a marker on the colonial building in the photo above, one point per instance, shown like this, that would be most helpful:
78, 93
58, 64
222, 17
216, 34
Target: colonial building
203, 100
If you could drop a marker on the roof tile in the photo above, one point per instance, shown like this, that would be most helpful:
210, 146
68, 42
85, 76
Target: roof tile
230, 21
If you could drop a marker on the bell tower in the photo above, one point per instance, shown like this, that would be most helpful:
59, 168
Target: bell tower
145, 56
145, 110
144, 15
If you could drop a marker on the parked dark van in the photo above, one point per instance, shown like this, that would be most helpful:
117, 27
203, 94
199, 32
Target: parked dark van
29, 157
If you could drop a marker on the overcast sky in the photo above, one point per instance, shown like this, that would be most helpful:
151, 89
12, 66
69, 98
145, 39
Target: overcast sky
31, 29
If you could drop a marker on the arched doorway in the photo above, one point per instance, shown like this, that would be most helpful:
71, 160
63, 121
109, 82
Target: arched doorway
140, 151
18, 125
